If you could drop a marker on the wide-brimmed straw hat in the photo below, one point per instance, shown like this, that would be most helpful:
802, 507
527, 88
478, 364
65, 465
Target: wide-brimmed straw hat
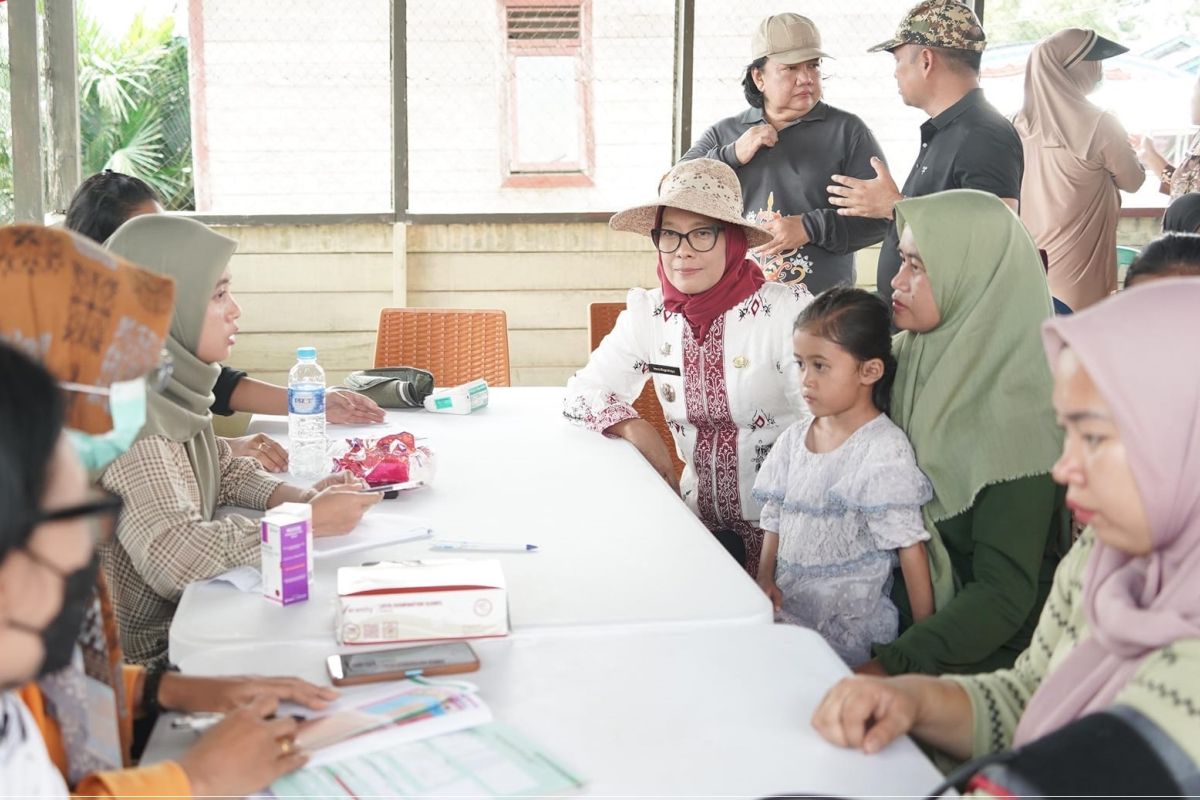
702, 186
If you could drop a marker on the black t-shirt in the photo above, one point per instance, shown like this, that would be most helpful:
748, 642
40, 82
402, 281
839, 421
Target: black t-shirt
227, 381
968, 146
791, 178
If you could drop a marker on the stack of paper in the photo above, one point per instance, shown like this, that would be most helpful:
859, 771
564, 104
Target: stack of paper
378, 716
488, 761
417, 738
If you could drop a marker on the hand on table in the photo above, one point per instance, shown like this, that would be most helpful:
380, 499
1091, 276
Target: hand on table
337, 509
343, 478
192, 694
243, 753
789, 232
875, 197
865, 713
645, 438
266, 450
345, 407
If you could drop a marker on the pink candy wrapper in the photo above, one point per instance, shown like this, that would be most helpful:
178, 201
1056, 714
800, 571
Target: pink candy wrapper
395, 458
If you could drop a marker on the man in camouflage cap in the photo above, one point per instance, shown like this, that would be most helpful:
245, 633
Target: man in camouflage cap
938, 23
965, 144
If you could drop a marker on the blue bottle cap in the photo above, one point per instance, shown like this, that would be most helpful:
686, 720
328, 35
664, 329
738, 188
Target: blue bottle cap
306, 353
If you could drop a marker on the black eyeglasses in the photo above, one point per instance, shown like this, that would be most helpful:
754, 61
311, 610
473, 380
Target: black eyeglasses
699, 239
104, 505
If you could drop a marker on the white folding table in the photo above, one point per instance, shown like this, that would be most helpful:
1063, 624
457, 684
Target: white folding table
616, 546
703, 711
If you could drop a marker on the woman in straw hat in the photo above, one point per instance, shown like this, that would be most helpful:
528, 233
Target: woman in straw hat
716, 340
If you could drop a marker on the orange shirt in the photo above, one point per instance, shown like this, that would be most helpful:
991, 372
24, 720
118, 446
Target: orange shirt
166, 779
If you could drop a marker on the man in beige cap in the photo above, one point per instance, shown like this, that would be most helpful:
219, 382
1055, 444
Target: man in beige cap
965, 144
784, 148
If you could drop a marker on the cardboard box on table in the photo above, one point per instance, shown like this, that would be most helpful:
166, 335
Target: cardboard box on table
421, 601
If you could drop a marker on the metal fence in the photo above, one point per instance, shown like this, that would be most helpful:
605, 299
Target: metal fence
502, 106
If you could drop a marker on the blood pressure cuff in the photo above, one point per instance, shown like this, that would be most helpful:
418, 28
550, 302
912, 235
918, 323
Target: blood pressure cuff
1117, 752
393, 387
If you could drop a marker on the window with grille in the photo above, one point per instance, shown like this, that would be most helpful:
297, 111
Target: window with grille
548, 93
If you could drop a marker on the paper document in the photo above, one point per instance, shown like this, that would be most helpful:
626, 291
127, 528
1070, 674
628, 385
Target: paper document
406, 712
488, 761
244, 579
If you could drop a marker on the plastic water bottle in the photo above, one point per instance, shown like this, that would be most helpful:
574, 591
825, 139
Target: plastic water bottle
306, 416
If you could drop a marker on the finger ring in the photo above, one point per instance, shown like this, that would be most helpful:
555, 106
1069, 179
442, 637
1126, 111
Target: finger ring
262, 445
286, 746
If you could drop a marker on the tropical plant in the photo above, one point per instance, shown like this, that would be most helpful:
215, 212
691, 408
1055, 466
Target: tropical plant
134, 112
6, 172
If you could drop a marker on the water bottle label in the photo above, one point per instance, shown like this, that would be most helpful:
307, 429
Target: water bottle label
306, 401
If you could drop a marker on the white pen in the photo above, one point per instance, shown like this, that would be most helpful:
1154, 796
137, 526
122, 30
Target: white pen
484, 547
197, 721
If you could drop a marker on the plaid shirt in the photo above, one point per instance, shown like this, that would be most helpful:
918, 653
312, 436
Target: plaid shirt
163, 543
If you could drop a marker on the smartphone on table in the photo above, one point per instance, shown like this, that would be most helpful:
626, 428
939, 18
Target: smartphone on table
444, 658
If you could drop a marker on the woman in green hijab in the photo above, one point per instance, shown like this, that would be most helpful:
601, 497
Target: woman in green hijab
973, 394
178, 472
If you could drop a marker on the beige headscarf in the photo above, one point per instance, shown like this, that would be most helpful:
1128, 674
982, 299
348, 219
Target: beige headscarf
195, 257
1057, 81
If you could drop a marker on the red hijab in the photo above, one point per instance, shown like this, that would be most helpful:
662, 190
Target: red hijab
741, 279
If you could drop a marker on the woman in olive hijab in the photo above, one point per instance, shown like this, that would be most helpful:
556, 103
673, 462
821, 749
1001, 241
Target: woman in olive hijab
972, 393
178, 472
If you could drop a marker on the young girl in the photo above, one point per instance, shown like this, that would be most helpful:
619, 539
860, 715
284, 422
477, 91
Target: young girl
841, 491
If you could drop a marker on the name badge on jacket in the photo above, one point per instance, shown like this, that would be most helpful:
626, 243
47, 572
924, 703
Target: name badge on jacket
663, 369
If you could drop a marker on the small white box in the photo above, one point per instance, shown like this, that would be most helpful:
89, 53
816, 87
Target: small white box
413, 602
287, 553
463, 399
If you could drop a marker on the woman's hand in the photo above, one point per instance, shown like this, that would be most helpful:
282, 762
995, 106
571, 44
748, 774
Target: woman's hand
192, 694
641, 434
343, 478
243, 753
771, 590
869, 713
1147, 153
871, 667
266, 450
344, 407
866, 713
754, 139
337, 509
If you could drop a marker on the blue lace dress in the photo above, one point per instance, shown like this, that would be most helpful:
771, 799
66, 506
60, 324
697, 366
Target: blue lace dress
840, 517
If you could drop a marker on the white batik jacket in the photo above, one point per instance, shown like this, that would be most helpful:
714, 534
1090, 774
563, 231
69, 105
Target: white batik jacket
726, 400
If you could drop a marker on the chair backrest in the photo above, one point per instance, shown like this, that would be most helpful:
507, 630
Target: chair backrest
601, 319
455, 344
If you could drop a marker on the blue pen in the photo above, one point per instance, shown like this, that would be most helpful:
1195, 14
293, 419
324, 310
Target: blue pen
484, 547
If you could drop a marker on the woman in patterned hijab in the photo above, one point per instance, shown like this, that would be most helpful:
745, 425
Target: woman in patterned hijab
93, 319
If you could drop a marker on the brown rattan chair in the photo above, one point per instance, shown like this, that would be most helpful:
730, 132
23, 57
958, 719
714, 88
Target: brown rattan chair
601, 318
456, 345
